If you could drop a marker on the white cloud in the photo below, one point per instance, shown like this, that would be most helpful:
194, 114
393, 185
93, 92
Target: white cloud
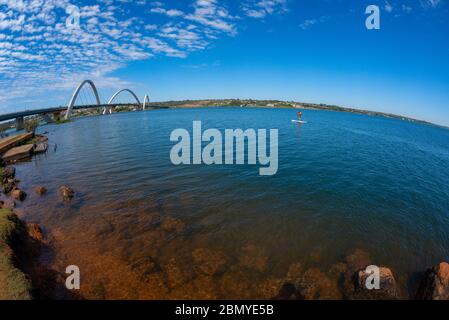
262, 8
310, 22
39, 53
170, 12
430, 3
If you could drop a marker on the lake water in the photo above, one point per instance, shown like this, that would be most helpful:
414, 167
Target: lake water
140, 227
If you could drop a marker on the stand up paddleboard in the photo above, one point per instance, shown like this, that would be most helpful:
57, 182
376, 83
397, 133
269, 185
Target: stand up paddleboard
299, 121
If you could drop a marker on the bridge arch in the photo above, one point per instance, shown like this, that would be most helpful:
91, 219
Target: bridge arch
105, 110
146, 100
75, 95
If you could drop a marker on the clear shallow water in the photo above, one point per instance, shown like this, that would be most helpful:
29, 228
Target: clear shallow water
344, 182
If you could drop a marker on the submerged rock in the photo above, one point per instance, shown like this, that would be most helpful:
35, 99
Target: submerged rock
201, 288
40, 190
279, 289
435, 284
388, 289
315, 284
144, 266
237, 284
171, 224
209, 262
178, 271
18, 194
35, 231
67, 193
254, 258
295, 272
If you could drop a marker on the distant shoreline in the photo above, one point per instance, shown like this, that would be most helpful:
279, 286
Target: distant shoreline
282, 104
246, 103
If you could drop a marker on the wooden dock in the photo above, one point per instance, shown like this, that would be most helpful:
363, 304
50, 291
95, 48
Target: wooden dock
18, 153
10, 142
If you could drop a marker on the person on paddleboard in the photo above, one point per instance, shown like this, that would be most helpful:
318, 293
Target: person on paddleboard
299, 115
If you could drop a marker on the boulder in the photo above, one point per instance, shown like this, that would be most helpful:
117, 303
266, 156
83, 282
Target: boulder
8, 187
67, 193
209, 262
40, 190
9, 173
18, 194
388, 289
435, 284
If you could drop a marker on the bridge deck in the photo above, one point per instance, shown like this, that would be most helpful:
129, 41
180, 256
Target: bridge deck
27, 113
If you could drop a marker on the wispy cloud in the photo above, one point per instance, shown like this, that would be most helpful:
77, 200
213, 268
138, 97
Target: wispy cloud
310, 22
263, 8
39, 53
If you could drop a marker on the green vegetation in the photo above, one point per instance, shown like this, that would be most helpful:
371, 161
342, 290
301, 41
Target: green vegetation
60, 120
13, 283
251, 103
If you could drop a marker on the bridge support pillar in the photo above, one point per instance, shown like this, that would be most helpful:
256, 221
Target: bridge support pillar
107, 110
19, 123
47, 118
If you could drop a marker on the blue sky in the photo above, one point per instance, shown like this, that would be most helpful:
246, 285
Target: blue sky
313, 51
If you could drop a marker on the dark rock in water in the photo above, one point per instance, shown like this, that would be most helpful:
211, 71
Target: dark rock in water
18, 194
35, 231
279, 289
388, 289
435, 284
254, 258
67, 193
144, 266
9, 173
209, 262
40, 190
8, 186
345, 272
288, 291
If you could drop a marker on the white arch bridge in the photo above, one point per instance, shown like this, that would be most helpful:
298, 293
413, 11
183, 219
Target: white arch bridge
73, 105
108, 107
